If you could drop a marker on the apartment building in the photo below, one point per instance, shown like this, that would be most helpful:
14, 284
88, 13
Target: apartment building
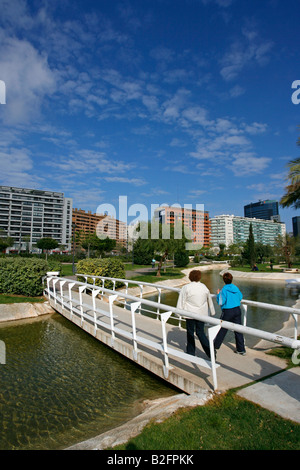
102, 224
26, 215
196, 221
229, 229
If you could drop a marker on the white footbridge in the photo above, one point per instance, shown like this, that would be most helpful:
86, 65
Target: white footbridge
153, 334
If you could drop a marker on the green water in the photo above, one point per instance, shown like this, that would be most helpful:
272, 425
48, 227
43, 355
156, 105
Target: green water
60, 386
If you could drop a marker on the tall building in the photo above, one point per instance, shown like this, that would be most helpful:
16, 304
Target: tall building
296, 226
101, 223
26, 215
196, 221
267, 210
229, 229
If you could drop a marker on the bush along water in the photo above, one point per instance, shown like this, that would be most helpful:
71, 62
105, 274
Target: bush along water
23, 276
107, 267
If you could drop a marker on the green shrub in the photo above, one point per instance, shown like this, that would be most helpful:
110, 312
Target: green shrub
143, 252
107, 267
181, 258
22, 276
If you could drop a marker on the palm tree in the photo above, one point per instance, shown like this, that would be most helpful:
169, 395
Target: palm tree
292, 195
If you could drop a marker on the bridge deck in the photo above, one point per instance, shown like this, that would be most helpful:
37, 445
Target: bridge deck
233, 370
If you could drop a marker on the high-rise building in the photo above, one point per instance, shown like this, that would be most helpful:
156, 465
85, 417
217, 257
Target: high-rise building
102, 224
26, 215
196, 221
229, 229
296, 226
267, 210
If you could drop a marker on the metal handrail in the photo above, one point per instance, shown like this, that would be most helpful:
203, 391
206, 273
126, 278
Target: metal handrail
67, 302
244, 302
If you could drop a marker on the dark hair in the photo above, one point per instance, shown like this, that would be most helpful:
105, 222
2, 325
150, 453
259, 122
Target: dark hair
227, 278
195, 275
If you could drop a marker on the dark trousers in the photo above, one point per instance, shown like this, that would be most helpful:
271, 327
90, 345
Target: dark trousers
233, 315
197, 326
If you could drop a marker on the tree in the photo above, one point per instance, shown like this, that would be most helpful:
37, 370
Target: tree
292, 195
181, 258
5, 242
142, 251
249, 248
47, 244
90, 241
169, 245
263, 251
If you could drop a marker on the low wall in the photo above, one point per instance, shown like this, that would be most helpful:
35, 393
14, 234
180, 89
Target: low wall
21, 311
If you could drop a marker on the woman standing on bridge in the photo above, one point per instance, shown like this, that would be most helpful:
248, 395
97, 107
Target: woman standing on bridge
195, 297
229, 298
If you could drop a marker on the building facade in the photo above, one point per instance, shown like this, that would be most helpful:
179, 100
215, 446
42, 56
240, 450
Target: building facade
26, 215
296, 226
267, 210
229, 229
102, 224
196, 221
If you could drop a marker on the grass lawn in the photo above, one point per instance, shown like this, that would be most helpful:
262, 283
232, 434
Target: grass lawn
264, 267
171, 273
14, 299
227, 422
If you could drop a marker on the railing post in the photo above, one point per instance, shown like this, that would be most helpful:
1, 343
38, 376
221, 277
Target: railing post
134, 306
81, 289
212, 333
95, 292
111, 300
244, 309
295, 316
126, 292
71, 285
61, 292
164, 318
158, 301
103, 281
141, 295
54, 281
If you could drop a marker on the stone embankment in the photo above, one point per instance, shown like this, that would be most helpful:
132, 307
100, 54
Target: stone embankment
266, 276
24, 310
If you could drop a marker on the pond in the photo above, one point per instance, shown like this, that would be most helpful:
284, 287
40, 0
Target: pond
60, 386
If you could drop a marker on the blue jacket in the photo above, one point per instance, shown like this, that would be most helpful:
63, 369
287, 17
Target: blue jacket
230, 296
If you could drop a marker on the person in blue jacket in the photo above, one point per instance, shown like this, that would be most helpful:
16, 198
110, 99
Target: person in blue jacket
229, 298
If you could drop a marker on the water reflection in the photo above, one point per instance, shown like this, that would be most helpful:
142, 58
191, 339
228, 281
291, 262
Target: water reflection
61, 386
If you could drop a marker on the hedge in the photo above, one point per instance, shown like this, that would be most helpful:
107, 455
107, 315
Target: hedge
107, 267
22, 276
181, 258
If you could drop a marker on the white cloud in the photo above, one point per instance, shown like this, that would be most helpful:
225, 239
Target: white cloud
16, 169
119, 179
245, 164
243, 54
28, 78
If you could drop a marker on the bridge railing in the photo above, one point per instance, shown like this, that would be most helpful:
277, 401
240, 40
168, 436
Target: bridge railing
294, 312
69, 294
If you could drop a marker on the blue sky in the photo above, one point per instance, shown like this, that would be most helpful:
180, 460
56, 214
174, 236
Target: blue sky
162, 101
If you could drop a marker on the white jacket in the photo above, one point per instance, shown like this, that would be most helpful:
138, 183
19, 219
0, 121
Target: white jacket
195, 297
